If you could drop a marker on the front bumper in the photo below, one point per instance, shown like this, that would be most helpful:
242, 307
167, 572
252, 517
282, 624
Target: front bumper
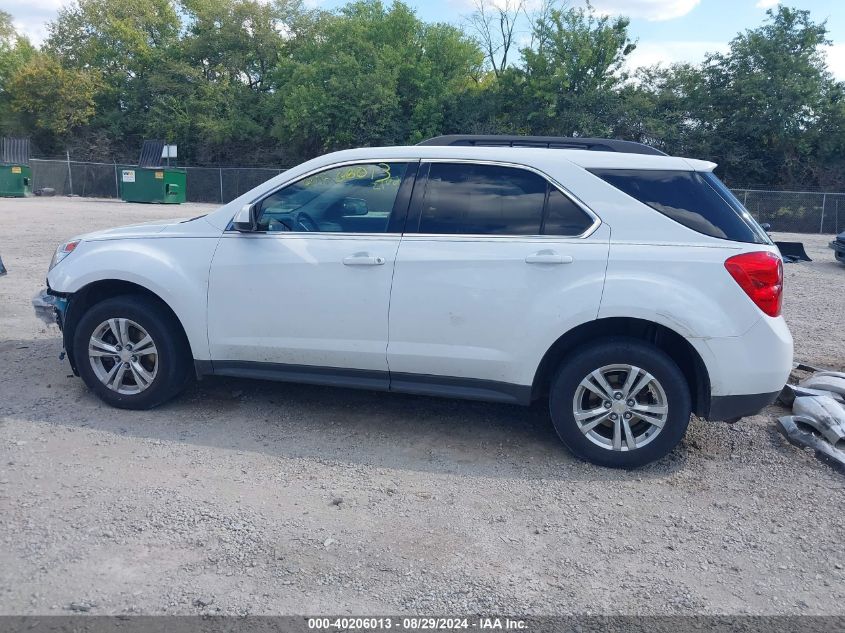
49, 307
839, 249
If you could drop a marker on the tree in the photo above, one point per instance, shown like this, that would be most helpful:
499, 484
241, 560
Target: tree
766, 97
767, 111
493, 23
55, 100
371, 75
571, 73
15, 52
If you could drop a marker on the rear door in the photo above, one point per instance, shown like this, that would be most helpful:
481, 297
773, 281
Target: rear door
495, 264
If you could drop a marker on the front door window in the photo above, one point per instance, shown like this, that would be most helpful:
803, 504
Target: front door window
349, 199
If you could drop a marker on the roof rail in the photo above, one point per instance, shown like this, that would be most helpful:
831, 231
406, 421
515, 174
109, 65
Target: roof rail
549, 142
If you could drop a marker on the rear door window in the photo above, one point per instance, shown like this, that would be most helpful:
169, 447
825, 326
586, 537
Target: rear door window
563, 216
477, 199
482, 200
698, 201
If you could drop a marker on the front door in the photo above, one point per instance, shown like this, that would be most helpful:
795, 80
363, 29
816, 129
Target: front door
310, 290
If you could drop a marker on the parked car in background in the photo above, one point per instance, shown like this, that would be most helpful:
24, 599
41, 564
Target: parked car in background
627, 288
838, 246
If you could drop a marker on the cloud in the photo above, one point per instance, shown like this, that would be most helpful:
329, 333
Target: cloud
671, 52
31, 17
766, 4
835, 54
650, 53
651, 10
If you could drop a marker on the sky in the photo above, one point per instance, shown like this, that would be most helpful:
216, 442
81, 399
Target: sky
666, 30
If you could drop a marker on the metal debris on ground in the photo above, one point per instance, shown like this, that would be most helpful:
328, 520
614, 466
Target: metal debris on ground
818, 414
792, 252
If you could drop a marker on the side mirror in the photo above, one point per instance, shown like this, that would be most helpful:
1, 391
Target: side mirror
246, 219
766, 227
355, 206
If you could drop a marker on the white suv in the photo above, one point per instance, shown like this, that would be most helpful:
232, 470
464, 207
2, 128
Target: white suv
628, 287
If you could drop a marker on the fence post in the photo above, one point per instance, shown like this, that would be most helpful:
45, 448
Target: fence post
69, 174
745, 200
821, 224
116, 181
221, 184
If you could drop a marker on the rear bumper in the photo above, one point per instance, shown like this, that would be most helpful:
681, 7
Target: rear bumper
733, 407
746, 372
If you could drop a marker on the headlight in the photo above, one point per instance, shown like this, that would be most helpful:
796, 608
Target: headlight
63, 251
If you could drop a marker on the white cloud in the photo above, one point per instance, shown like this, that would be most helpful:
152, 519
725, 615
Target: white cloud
652, 53
31, 17
670, 52
651, 10
766, 4
836, 59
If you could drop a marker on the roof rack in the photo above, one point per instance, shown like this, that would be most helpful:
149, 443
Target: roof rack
549, 142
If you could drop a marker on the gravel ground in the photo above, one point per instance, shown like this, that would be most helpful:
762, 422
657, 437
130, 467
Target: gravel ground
253, 497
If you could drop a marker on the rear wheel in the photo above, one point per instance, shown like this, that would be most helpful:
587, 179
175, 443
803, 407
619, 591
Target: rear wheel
131, 352
620, 402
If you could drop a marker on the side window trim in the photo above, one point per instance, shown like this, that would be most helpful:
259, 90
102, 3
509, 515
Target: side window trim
399, 213
412, 222
412, 226
545, 208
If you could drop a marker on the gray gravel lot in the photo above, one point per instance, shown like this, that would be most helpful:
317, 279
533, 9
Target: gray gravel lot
254, 497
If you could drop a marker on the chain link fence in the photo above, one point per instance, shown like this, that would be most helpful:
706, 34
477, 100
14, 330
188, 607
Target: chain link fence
101, 180
796, 211
786, 211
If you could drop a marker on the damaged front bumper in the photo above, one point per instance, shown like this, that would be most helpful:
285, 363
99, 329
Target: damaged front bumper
50, 307
838, 246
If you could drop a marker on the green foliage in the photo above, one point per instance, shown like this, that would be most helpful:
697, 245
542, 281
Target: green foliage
15, 52
768, 110
258, 82
52, 100
375, 75
568, 84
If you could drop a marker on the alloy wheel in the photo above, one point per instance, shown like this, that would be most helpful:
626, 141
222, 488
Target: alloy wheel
620, 407
123, 356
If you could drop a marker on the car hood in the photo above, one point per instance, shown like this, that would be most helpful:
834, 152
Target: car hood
841, 237
146, 229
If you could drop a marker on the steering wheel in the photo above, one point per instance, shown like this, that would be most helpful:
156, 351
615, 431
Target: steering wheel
306, 222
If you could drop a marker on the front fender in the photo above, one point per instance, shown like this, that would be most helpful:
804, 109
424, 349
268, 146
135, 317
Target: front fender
175, 269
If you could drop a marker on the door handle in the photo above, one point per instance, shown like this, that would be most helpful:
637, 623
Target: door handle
548, 257
363, 259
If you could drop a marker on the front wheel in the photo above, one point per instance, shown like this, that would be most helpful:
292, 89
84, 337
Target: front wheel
131, 352
620, 403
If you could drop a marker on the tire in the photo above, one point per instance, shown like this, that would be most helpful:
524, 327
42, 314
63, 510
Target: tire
166, 365
664, 403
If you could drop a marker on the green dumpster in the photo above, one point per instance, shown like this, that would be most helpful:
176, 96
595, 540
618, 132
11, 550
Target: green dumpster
15, 181
164, 185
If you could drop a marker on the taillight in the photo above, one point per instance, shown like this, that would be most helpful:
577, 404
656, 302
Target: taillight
760, 275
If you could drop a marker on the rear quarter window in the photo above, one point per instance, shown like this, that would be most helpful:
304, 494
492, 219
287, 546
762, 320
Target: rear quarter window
698, 201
